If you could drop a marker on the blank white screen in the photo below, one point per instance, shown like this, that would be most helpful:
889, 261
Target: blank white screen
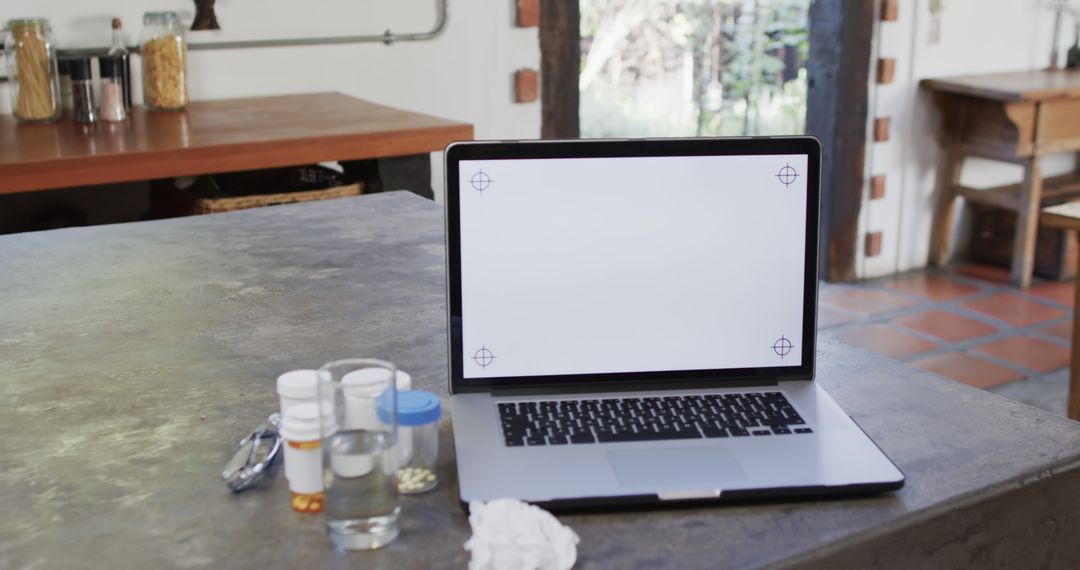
600, 265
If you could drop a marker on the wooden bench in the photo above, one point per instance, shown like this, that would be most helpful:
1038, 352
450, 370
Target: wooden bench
1067, 216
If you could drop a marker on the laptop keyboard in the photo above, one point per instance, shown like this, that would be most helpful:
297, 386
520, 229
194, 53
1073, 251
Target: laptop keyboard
562, 422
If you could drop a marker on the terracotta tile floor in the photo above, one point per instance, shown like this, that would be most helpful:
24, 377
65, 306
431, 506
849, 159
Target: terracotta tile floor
964, 322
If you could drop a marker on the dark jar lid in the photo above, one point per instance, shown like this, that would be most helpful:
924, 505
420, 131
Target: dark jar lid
111, 66
80, 69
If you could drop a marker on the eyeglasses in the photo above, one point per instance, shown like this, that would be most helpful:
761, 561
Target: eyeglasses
255, 456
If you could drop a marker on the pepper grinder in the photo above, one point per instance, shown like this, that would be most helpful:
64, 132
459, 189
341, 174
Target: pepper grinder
82, 91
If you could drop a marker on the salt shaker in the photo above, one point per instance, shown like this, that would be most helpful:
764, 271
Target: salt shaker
418, 429
112, 88
303, 457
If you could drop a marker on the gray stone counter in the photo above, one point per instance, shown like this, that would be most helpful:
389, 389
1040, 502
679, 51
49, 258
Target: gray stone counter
133, 357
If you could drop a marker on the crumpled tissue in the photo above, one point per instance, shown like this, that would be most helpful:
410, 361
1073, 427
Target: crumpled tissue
510, 534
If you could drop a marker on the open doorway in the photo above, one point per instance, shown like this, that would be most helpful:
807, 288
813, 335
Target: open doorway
640, 68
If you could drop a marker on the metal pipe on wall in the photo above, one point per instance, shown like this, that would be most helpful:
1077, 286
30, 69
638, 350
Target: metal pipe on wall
386, 37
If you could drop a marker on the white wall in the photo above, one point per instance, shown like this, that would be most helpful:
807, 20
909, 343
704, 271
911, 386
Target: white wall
465, 74
977, 36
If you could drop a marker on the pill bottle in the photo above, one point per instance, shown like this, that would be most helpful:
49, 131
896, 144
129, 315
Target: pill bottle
361, 388
303, 457
418, 427
297, 387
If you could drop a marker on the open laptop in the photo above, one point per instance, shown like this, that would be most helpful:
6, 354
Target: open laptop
633, 321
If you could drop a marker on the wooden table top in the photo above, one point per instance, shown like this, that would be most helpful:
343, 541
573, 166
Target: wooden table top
215, 136
1036, 85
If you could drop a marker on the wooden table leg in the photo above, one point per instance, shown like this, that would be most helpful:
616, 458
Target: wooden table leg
948, 178
1027, 223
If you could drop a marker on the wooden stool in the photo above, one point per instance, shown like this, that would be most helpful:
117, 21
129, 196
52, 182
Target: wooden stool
1067, 216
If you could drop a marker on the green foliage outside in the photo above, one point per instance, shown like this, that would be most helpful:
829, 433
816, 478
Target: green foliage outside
693, 67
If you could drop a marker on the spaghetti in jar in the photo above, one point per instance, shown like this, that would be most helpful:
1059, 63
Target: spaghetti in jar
32, 69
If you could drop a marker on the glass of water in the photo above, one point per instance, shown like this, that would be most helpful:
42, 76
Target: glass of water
359, 456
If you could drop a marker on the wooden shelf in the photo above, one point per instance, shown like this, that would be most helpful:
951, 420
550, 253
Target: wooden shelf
1056, 190
215, 136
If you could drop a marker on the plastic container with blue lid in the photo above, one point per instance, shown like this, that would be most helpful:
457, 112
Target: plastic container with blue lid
418, 439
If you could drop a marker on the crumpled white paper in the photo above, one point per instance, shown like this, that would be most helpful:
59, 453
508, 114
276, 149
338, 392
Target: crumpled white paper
510, 534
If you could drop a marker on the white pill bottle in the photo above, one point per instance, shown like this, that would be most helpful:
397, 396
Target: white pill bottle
303, 457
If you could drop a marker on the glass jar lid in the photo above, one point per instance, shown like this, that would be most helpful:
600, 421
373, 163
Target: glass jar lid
160, 18
16, 23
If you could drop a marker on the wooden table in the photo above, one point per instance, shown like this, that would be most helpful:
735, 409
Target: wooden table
1067, 216
1012, 117
215, 136
134, 356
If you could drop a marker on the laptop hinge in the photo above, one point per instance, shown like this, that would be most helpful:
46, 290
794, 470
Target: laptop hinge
650, 386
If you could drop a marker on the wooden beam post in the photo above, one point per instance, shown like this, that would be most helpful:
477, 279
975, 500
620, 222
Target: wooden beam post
841, 33
560, 63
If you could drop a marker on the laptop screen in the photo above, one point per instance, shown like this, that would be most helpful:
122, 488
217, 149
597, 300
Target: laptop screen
602, 265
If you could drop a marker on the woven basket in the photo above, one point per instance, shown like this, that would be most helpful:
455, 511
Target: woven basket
217, 205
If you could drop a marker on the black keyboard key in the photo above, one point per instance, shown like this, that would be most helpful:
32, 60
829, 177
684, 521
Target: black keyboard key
714, 432
582, 437
514, 441
780, 430
609, 437
738, 431
556, 440
761, 432
803, 430
535, 440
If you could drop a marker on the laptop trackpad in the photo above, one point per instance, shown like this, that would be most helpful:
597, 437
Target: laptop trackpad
694, 467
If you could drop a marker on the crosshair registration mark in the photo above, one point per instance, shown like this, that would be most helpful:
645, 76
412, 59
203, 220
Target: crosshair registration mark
480, 181
483, 357
782, 347
787, 175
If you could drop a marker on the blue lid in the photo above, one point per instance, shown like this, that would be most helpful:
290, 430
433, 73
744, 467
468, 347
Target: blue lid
415, 408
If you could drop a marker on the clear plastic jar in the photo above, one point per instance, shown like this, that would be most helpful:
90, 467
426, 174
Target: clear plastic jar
418, 432
163, 51
35, 79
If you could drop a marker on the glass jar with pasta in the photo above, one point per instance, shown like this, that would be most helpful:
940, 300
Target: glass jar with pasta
163, 51
31, 60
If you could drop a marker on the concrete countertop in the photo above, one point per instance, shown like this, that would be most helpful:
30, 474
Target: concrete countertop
133, 357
